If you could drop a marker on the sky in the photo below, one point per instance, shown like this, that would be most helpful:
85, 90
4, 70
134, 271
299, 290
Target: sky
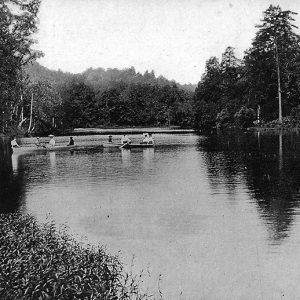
172, 37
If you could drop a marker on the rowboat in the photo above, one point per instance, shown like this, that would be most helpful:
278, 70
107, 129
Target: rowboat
129, 146
42, 149
31, 149
111, 145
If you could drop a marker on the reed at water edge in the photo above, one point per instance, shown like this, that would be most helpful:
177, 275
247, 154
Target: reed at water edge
43, 262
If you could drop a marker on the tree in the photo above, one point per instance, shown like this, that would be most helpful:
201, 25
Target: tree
207, 95
17, 25
270, 63
245, 117
78, 104
44, 107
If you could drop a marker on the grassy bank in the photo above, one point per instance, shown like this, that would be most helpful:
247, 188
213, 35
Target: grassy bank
42, 262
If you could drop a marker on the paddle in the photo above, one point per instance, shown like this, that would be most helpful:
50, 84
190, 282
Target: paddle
123, 145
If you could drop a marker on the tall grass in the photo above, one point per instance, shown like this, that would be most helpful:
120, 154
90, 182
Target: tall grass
43, 262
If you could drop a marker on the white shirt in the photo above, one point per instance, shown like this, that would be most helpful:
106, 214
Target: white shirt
125, 139
146, 139
150, 140
14, 143
52, 142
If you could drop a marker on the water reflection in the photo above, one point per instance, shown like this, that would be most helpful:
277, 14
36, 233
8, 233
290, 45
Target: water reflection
11, 180
125, 157
203, 211
148, 156
269, 166
52, 159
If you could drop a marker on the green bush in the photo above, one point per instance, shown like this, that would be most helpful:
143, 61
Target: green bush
223, 118
42, 262
295, 115
245, 117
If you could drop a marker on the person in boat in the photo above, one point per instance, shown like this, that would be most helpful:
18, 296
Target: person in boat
125, 139
38, 143
71, 142
52, 141
150, 139
146, 138
14, 143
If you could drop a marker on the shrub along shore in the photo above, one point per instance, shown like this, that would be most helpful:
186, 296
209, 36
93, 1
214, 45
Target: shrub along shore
43, 262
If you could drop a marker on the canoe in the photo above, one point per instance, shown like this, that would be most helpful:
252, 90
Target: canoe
111, 145
129, 146
55, 148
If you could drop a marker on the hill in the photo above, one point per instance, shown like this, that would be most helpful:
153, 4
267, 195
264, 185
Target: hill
100, 78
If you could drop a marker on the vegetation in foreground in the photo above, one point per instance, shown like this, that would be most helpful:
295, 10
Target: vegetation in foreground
42, 262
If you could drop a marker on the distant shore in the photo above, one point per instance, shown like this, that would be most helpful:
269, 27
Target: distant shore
274, 129
134, 130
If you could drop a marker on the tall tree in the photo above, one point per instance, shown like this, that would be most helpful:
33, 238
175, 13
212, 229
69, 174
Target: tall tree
270, 63
17, 25
207, 95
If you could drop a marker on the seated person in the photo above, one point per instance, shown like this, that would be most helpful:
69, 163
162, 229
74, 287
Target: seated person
146, 139
150, 139
52, 141
38, 143
125, 139
14, 143
71, 142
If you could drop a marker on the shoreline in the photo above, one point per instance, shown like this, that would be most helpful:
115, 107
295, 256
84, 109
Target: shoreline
273, 129
154, 130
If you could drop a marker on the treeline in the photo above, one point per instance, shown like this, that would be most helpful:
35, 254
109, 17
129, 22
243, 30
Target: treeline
261, 87
62, 101
37, 100
237, 92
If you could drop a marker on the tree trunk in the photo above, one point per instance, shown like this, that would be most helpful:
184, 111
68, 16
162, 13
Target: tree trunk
279, 85
31, 109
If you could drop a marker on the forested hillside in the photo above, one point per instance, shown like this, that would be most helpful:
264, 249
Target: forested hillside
99, 97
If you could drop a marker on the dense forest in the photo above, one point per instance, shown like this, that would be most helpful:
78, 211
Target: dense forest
262, 87
99, 97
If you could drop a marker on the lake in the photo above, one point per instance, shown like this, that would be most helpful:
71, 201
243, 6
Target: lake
204, 217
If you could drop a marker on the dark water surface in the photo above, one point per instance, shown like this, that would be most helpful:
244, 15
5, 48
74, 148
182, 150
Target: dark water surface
204, 217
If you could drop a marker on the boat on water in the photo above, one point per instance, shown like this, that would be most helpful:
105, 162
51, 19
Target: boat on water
129, 146
111, 145
30, 149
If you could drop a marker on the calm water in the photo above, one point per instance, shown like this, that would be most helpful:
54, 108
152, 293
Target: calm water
204, 217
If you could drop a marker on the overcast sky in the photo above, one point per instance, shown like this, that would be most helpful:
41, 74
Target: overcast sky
172, 37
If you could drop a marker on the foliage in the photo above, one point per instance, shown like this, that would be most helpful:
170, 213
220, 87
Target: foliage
286, 123
42, 262
274, 38
78, 103
17, 25
207, 95
245, 117
223, 118
295, 115
111, 97
231, 84
46, 107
